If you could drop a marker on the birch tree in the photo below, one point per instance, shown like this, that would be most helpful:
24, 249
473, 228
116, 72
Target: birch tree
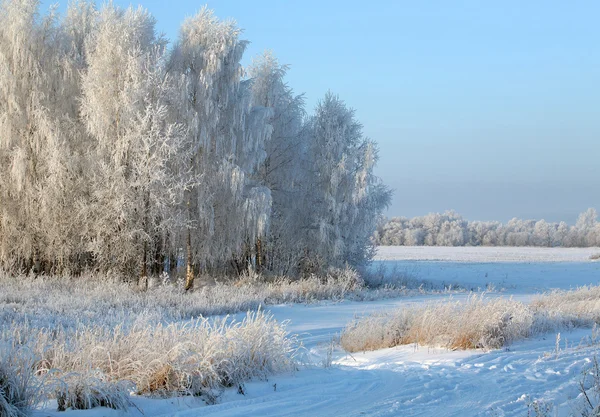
226, 138
116, 153
347, 198
37, 177
283, 170
126, 94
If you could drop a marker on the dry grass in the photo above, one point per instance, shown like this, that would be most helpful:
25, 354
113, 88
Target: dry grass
580, 306
84, 391
93, 339
475, 323
98, 365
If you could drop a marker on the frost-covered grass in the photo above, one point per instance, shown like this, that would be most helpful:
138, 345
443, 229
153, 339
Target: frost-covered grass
66, 301
478, 322
578, 307
98, 365
89, 343
18, 391
475, 323
51, 301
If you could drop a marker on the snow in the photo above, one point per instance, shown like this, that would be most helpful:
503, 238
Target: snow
513, 270
414, 380
406, 380
510, 277
477, 254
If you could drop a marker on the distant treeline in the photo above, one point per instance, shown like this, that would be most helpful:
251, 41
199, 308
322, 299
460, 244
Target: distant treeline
450, 229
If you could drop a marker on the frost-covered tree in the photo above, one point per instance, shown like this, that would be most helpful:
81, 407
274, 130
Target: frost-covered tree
117, 153
450, 229
347, 198
542, 234
283, 170
38, 159
225, 209
135, 181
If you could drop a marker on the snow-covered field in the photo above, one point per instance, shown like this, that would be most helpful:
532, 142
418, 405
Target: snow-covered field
513, 270
480, 254
539, 373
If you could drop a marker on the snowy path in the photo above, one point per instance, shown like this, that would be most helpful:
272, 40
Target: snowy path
402, 382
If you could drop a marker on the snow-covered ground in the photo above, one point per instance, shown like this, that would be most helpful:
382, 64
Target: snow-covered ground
415, 380
407, 380
513, 270
484, 254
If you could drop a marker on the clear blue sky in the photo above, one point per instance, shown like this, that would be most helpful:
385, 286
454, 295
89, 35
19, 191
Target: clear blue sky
488, 108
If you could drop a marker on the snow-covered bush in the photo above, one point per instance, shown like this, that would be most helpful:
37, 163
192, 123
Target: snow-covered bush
589, 389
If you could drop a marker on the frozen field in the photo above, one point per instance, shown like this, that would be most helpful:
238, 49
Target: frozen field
417, 380
513, 270
484, 254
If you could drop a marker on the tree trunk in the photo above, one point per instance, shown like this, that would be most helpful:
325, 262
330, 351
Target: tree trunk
173, 263
143, 281
159, 256
189, 271
259, 256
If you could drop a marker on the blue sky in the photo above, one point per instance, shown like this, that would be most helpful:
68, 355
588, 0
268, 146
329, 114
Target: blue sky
488, 108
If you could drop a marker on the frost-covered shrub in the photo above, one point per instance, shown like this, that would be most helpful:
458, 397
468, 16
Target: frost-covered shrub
589, 389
